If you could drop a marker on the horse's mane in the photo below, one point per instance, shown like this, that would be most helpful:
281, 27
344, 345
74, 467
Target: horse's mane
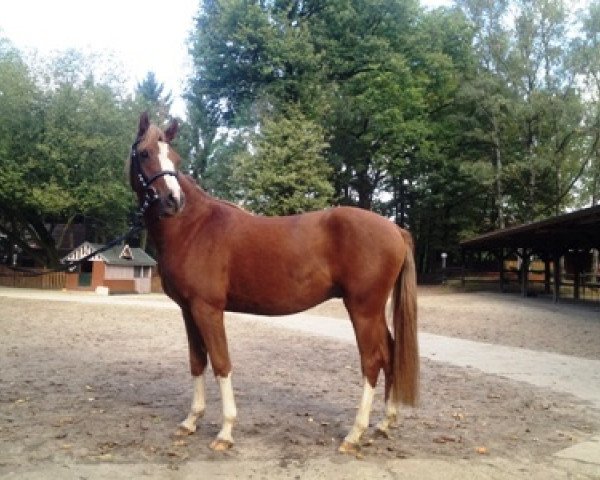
233, 205
208, 196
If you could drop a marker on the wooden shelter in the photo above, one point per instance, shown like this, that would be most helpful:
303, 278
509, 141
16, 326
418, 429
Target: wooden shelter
566, 244
121, 269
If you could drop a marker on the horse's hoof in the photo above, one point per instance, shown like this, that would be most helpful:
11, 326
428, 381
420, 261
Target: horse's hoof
220, 445
349, 448
382, 433
183, 431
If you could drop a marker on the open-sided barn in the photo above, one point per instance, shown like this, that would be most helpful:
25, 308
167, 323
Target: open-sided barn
567, 245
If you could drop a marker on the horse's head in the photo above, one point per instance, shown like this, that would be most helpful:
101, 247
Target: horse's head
153, 168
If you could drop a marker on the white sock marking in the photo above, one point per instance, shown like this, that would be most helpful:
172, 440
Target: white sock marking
229, 409
198, 405
391, 414
362, 417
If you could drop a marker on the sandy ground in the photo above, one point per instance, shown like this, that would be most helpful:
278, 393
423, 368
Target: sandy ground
503, 319
102, 387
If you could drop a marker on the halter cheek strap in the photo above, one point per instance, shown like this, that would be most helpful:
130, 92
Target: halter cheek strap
150, 194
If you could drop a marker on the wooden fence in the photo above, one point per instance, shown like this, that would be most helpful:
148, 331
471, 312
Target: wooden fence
156, 285
47, 281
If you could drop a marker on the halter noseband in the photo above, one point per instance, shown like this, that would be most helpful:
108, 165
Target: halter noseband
150, 194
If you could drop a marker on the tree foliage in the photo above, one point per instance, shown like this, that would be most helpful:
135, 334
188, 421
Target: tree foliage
377, 76
287, 172
151, 97
62, 146
452, 121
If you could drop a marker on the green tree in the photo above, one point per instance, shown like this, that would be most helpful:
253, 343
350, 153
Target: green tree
439, 179
200, 135
286, 173
454, 121
487, 102
218, 177
550, 110
245, 49
375, 74
526, 110
376, 101
245, 54
20, 127
66, 161
152, 98
587, 60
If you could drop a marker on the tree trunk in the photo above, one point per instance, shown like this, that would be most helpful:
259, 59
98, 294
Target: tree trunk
498, 165
400, 202
365, 191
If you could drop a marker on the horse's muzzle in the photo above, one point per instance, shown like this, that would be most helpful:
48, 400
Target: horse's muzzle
172, 205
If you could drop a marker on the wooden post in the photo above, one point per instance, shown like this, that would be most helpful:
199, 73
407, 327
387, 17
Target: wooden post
556, 259
502, 270
464, 267
524, 272
577, 277
546, 273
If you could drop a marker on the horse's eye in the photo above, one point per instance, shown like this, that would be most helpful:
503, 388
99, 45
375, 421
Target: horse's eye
144, 154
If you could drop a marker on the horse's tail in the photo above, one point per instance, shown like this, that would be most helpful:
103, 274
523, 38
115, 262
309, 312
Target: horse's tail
405, 364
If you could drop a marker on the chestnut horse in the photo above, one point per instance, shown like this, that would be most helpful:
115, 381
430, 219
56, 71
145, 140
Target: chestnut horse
214, 256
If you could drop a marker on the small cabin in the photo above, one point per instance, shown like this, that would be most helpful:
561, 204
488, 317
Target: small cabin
121, 269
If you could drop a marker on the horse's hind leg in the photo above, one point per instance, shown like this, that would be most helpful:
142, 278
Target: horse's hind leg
361, 423
198, 361
371, 336
391, 409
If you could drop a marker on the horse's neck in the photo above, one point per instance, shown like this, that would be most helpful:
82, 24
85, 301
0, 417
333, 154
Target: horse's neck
167, 233
195, 196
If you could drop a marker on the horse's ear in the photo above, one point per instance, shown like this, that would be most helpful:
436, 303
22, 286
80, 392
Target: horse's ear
144, 124
171, 131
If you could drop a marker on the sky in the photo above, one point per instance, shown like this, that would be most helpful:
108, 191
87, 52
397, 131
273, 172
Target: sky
143, 35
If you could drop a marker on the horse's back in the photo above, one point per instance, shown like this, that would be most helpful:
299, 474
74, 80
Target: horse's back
327, 235
341, 239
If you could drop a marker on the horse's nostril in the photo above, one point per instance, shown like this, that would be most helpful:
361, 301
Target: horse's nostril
173, 203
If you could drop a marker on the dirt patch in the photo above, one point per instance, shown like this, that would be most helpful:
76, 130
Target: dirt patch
92, 383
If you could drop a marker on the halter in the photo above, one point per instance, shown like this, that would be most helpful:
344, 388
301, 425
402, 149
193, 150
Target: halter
150, 194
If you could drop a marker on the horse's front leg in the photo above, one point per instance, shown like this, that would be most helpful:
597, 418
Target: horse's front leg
189, 425
210, 324
224, 439
198, 361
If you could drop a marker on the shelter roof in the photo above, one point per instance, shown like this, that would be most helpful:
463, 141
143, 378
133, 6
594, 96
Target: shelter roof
576, 230
121, 255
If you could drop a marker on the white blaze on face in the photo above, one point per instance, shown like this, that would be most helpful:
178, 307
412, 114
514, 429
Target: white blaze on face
167, 165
